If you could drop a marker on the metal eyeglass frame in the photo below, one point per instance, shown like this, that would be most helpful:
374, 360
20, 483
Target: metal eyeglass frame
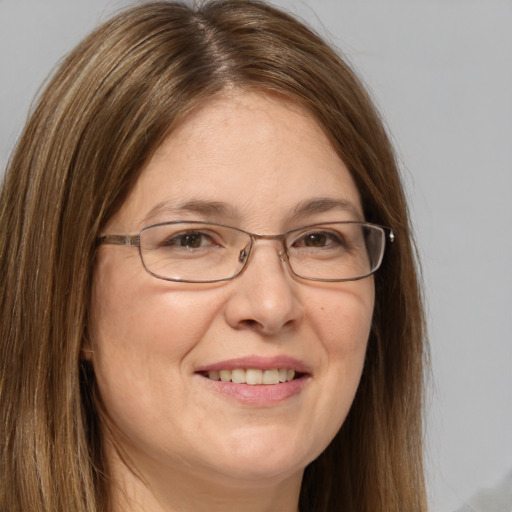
134, 241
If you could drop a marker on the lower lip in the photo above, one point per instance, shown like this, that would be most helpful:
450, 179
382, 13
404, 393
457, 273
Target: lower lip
258, 395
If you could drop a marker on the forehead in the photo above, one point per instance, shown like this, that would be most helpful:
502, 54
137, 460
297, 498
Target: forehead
246, 158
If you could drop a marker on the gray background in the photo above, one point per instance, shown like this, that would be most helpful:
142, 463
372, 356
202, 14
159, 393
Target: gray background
441, 73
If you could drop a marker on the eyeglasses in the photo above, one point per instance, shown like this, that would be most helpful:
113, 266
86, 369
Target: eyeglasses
203, 252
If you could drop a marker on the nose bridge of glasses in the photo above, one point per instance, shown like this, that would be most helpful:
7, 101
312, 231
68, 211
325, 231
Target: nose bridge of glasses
277, 241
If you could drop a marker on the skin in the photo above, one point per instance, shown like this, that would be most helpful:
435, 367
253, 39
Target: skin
184, 445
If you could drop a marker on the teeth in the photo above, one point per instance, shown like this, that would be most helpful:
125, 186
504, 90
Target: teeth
271, 377
225, 375
253, 376
238, 376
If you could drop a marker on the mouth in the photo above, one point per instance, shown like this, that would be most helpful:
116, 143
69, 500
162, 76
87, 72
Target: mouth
253, 376
256, 381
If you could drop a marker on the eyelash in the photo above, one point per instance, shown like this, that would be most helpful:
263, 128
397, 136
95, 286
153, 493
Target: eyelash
177, 239
335, 239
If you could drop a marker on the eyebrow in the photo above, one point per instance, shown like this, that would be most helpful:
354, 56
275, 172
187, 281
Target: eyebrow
327, 204
221, 209
197, 206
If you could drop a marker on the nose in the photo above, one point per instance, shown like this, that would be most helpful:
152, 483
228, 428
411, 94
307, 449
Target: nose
265, 297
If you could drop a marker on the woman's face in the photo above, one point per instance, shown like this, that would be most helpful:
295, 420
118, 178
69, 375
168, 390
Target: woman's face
259, 163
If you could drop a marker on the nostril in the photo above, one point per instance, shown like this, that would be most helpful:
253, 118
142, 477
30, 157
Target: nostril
251, 323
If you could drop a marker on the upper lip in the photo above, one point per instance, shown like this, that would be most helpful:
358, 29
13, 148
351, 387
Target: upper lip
258, 363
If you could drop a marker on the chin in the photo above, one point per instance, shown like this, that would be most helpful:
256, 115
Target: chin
256, 455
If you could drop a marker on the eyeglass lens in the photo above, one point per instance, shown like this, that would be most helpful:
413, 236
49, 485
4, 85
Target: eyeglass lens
202, 252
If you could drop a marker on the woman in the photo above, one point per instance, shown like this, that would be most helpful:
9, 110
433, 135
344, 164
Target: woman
193, 314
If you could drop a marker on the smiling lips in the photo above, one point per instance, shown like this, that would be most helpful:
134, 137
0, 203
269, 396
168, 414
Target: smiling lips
256, 380
253, 376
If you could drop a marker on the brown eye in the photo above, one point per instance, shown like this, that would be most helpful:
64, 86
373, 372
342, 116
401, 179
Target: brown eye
193, 240
318, 240
189, 240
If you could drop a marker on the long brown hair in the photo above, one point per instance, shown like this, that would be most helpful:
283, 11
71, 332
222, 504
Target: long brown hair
107, 108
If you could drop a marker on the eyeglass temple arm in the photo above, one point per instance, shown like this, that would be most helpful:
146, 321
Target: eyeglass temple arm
120, 240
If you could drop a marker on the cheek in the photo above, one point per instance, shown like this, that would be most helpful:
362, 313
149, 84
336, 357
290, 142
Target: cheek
144, 338
130, 308
342, 321
134, 326
343, 317
142, 330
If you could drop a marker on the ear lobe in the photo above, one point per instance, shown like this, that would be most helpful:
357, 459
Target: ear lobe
86, 355
86, 352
